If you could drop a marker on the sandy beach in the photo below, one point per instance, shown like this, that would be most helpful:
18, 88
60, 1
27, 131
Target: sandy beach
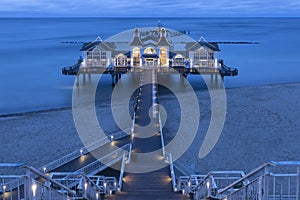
262, 124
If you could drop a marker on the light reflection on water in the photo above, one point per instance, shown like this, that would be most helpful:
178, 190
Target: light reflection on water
31, 63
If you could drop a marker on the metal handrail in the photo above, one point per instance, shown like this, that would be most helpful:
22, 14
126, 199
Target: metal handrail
122, 172
170, 161
100, 162
76, 154
266, 178
133, 123
96, 165
251, 182
36, 171
246, 177
161, 136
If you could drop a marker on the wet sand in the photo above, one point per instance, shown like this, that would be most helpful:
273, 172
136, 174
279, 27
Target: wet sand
262, 123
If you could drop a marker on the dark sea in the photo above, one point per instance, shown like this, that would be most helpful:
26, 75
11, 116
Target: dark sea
33, 51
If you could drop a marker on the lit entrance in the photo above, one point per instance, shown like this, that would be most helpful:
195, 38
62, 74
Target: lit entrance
150, 57
150, 62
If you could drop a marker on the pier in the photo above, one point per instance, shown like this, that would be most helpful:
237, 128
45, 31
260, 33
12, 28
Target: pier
117, 72
134, 164
141, 168
148, 176
165, 49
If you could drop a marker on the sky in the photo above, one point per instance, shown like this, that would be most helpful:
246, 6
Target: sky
149, 8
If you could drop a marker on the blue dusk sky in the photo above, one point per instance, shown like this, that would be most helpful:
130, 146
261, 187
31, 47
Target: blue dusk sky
149, 8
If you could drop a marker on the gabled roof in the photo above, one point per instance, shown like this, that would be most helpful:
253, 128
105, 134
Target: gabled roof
150, 37
193, 46
150, 44
163, 41
212, 46
136, 42
107, 46
136, 39
102, 45
89, 45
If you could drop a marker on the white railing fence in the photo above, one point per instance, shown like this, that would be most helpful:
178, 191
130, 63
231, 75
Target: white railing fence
76, 154
27, 187
273, 180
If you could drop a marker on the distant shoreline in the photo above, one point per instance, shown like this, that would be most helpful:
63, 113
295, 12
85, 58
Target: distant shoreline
28, 113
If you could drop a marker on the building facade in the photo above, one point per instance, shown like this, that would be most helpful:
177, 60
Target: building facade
155, 47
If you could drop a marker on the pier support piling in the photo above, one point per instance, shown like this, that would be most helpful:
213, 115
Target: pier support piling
83, 78
113, 80
216, 81
77, 80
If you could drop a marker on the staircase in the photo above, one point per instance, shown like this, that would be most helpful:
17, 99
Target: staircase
148, 186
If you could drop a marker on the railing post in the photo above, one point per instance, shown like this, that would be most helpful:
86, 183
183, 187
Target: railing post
162, 137
133, 123
208, 185
27, 191
121, 173
298, 183
265, 189
129, 153
260, 188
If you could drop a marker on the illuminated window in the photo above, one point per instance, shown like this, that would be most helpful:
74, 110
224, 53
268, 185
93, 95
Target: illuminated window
136, 56
149, 50
179, 60
121, 60
163, 56
98, 57
200, 57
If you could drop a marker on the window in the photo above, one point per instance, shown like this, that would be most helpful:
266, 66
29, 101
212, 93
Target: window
179, 60
211, 55
121, 60
98, 57
163, 56
103, 58
201, 57
149, 50
136, 56
203, 54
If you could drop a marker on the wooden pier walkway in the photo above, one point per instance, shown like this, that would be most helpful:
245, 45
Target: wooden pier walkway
140, 181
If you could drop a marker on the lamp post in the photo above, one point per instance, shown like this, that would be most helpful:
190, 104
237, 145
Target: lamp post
3, 190
34, 188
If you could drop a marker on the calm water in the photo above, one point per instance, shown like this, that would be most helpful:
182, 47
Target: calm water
32, 54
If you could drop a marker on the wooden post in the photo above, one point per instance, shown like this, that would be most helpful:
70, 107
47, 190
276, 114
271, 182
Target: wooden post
77, 80
83, 78
211, 81
181, 78
27, 186
112, 80
117, 78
